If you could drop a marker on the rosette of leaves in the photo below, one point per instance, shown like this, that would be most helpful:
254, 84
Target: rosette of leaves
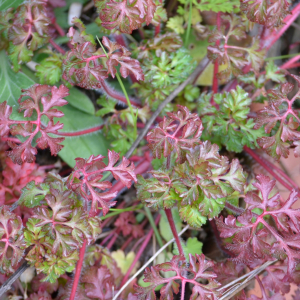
26, 32
266, 12
87, 66
87, 175
229, 125
38, 102
57, 229
267, 229
233, 56
281, 121
163, 73
125, 15
203, 179
12, 243
198, 268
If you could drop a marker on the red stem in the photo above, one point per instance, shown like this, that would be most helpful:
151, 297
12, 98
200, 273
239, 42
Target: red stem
182, 289
60, 31
287, 178
78, 271
236, 210
291, 62
81, 132
124, 246
107, 238
14, 140
174, 231
287, 23
57, 47
157, 30
114, 238
267, 167
140, 252
115, 95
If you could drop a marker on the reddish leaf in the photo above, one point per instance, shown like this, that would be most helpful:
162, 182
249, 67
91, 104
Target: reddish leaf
87, 175
29, 102
127, 224
99, 283
279, 109
128, 65
11, 240
125, 15
256, 237
189, 272
176, 132
269, 13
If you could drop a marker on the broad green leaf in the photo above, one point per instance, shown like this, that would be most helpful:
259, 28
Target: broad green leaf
124, 262
164, 226
81, 101
6, 4
33, 194
84, 145
11, 82
192, 246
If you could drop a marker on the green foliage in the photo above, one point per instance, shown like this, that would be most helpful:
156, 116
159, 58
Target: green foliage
164, 226
215, 5
49, 71
163, 72
192, 246
33, 194
229, 124
56, 230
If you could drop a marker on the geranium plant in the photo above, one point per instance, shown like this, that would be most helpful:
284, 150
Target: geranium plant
143, 150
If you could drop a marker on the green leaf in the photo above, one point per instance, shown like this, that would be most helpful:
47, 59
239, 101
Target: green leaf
274, 73
164, 226
84, 145
124, 261
211, 207
6, 4
192, 246
80, 101
11, 82
192, 215
33, 194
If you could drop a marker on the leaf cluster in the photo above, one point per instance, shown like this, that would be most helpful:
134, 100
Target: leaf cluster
36, 102
203, 179
24, 30
229, 124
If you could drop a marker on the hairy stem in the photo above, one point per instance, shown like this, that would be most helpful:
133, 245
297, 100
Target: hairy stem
78, 271
267, 167
140, 252
57, 47
182, 289
117, 96
81, 132
174, 231
236, 210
